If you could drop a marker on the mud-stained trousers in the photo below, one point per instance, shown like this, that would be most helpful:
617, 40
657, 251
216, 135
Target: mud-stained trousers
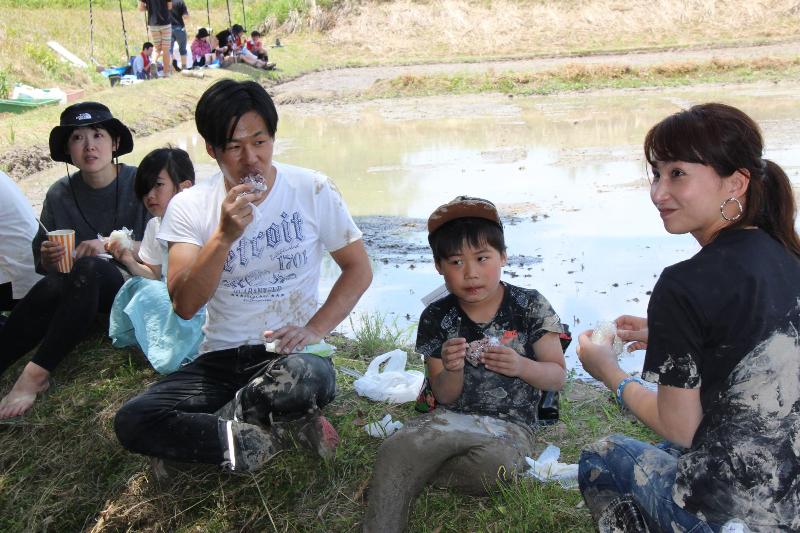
619, 465
176, 418
464, 452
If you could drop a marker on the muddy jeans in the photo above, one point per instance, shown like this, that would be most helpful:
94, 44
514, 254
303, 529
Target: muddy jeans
175, 418
467, 453
619, 465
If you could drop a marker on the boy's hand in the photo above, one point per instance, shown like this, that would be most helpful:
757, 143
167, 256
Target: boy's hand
453, 353
503, 360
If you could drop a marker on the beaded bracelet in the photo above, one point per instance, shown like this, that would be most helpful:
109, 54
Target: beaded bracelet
623, 384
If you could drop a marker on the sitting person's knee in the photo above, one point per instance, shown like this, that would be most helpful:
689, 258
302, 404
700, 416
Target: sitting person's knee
85, 269
128, 425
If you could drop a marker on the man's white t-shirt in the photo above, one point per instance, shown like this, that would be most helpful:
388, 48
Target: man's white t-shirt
271, 276
17, 230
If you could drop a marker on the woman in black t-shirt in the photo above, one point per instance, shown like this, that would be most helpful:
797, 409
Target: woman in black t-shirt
722, 343
58, 311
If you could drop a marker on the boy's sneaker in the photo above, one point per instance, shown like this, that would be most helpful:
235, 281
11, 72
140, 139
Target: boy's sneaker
175, 65
314, 432
622, 516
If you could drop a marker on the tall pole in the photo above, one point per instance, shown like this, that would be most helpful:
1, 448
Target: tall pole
228, 4
124, 33
208, 14
91, 34
244, 17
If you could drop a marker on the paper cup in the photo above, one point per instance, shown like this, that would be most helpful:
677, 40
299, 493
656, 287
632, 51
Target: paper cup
66, 238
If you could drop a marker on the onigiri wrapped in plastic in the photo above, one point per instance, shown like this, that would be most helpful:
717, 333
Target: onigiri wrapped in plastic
605, 331
124, 238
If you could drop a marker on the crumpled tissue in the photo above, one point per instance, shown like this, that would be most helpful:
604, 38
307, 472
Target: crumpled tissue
383, 428
547, 468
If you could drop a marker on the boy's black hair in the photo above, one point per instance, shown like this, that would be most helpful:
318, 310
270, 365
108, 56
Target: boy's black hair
449, 239
174, 160
147, 45
255, 33
223, 104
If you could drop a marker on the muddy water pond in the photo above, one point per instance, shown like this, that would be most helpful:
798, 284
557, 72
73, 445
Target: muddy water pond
566, 173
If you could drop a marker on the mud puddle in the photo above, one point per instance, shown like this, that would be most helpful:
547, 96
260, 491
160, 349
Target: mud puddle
566, 173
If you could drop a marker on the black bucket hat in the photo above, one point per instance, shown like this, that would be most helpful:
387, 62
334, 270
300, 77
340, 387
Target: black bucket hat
201, 33
87, 114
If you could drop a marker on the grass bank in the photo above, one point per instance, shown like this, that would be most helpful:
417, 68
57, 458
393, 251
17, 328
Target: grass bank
337, 33
62, 469
583, 77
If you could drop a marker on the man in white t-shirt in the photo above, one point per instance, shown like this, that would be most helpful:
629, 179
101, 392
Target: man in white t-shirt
253, 257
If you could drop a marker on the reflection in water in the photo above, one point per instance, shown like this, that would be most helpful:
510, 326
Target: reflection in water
566, 172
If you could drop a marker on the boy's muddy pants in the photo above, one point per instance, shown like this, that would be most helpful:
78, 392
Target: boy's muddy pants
467, 453
176, 419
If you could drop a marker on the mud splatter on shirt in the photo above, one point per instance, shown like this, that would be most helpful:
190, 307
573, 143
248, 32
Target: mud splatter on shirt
726, 321
524, 311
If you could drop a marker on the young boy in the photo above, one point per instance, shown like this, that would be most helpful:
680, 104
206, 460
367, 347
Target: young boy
490, 349
256, 47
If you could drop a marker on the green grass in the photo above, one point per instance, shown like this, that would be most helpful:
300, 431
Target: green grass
62, 469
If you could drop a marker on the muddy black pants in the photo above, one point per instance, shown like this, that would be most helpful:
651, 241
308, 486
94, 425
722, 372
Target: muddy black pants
175, 418
58, 312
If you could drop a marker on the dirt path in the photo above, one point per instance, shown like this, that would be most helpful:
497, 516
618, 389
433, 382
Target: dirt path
348, 82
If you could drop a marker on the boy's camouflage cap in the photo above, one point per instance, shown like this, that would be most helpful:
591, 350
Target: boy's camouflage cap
463, 207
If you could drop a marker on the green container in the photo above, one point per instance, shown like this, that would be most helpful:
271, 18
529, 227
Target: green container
22, 105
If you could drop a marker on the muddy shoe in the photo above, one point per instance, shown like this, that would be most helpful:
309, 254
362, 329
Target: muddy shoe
248, 447
314, 432
622, 516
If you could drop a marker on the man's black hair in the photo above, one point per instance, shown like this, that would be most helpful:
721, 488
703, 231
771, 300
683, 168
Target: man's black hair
174, 160
450, 238
223, 104
147, 45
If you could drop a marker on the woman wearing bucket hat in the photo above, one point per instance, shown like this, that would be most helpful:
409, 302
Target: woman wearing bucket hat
99, 198
201, 49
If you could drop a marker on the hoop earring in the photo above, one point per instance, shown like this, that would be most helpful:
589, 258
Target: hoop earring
726, 202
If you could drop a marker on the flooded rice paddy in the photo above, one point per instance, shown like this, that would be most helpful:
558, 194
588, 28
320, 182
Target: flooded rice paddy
566, 172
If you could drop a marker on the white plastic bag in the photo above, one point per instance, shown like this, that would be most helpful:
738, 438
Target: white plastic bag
394, 384
547, 468
385, 427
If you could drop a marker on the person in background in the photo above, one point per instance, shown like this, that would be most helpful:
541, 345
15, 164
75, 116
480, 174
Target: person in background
249, 243
490, 350
17, 270
58, 312
202, 52
178, 15
722, 336
160, 28
255, 46
142, 312
229, 41
142, 62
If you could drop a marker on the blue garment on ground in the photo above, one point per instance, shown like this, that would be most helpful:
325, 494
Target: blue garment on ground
142, 314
